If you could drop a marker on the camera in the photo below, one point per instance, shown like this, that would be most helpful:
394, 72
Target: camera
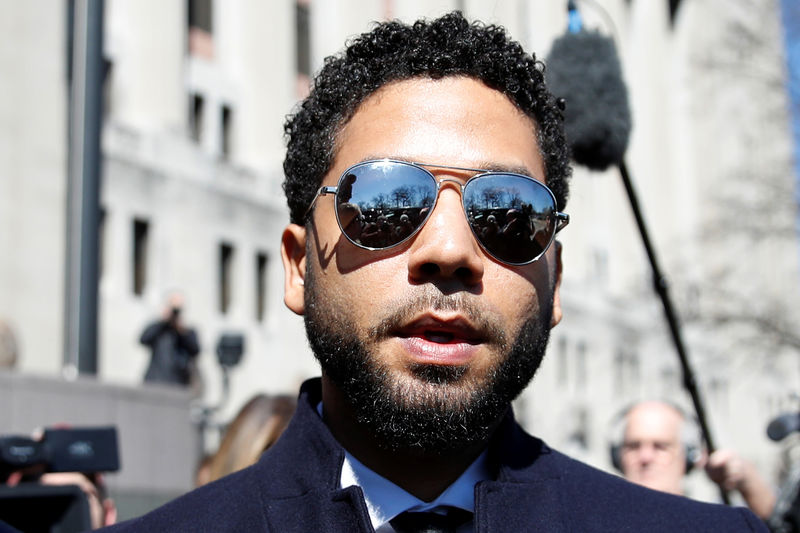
30, 506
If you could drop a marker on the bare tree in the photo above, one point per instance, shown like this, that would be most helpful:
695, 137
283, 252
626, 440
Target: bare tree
749, 234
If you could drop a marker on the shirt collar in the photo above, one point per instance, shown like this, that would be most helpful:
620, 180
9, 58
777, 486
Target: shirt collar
385, 500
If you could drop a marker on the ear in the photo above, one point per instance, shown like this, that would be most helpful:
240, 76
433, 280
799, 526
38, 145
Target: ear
293, 255
556, 318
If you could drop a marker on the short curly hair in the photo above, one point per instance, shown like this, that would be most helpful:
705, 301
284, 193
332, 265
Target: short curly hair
393, 51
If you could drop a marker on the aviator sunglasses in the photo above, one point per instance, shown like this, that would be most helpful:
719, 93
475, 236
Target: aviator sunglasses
383, 203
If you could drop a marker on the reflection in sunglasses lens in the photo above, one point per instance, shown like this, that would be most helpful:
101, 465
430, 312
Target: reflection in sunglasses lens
383, 203
511, 216
380, 204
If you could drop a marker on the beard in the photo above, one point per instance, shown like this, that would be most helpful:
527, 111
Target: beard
437, 409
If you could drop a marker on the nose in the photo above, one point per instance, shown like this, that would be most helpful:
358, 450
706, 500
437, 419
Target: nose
445, 248
646, 454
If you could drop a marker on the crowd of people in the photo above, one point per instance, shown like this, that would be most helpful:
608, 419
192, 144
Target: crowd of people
380, 227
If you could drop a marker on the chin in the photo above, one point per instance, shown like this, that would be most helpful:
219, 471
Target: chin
421, 407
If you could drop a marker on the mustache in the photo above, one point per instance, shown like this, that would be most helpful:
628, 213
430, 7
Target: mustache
485, 323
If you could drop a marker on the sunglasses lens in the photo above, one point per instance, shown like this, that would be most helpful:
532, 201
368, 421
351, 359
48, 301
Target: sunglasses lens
380, 204
512, 216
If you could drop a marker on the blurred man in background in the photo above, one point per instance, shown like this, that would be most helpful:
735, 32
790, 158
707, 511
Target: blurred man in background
660, 446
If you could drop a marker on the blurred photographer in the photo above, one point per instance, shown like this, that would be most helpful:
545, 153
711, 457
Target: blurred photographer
53, 481
173, 345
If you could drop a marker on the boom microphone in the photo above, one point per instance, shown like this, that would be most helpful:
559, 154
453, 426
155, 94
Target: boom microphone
583, 68
783, 425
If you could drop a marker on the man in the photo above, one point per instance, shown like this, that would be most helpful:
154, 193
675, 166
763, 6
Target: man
425, 340
173, 346
658, 450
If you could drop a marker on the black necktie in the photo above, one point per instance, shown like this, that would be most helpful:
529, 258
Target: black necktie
431, 522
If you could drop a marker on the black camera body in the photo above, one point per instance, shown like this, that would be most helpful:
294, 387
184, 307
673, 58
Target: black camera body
63, 450
31, 506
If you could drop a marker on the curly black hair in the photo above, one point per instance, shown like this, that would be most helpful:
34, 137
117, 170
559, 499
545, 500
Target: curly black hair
393, 51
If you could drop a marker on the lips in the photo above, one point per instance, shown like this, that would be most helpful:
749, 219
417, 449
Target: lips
440, 340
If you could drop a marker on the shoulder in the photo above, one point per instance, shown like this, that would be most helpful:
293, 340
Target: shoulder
612, 492
206, 508
614, 503
305, 460
589, 499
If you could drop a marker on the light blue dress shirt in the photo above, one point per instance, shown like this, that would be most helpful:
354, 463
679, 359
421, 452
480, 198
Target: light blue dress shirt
385, 500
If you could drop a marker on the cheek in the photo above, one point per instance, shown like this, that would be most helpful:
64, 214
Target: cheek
515, 295
363, 293
349, 259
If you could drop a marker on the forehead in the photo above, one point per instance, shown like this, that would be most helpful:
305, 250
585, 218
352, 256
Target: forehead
654, 422
451, 121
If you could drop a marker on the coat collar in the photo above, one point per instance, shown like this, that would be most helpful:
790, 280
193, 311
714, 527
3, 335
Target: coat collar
299, 477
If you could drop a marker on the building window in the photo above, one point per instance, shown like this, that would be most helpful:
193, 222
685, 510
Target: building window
303, 46
101, 241
626, 370
599, 261
197, 105
669, 381
108, 69
262, 262
141, 236
201, 16
225, 134
563, 361
580, 366
579, 432
673, 10
226, 252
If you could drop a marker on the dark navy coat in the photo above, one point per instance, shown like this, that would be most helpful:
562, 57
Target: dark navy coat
295, 488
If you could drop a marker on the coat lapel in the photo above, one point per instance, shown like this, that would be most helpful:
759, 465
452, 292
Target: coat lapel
339, 511
533, 506
527, 493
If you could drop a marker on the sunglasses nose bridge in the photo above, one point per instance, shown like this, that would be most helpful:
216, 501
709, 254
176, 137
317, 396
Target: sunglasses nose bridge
447, 183
453, 182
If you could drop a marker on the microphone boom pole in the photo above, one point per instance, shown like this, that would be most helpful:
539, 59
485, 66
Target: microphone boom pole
661, 286
584, 69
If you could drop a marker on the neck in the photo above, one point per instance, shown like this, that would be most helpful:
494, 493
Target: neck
424, 475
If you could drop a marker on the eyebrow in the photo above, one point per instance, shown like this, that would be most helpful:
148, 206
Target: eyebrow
514, 169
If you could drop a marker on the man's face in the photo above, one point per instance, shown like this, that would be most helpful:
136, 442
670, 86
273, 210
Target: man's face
433, 334
652, 452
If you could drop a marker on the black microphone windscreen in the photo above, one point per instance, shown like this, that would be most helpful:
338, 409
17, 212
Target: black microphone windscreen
584, 69
783, 425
